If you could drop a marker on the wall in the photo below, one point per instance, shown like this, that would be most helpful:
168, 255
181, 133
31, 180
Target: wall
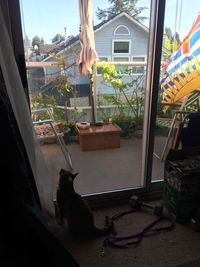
104, 41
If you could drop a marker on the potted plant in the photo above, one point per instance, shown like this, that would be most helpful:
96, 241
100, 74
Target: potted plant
125, 122
71, 124
138, 131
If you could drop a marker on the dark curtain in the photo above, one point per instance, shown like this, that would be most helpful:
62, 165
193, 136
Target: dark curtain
25, 239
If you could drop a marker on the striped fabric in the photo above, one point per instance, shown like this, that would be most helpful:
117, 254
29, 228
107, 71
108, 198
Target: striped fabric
182, 74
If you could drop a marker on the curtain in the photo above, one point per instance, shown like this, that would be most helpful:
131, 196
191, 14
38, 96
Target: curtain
22, 115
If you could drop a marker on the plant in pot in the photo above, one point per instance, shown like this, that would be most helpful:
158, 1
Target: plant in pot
138, 131
70, 125
60, 116
125, 122
43, 108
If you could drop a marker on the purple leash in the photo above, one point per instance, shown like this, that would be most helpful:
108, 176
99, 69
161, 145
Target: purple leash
135, 239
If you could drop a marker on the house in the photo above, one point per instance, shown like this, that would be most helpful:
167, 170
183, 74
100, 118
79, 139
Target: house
121, 39
118, 39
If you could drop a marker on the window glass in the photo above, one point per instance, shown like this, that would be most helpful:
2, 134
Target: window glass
139, 69
121, 47
122, 30
117, 99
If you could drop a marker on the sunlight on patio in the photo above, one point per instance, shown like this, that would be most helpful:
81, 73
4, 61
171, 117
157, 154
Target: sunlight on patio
103, 170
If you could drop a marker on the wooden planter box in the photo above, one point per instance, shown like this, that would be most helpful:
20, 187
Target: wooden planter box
45, 133
99, 137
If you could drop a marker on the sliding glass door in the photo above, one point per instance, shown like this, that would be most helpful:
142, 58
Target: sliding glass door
114, 155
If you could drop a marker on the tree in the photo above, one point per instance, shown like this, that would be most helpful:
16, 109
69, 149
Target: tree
172, 41
168, 33
37, 41
168, 43
118, 6
42, 40
126, 101
177, 38
58, 38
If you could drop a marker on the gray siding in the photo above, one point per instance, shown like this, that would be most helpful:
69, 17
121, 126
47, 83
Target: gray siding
104, 40
76, 77
105, 36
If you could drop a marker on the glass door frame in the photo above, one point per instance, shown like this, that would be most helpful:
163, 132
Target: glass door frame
150, 189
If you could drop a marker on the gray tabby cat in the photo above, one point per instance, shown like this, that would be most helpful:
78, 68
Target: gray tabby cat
72, 207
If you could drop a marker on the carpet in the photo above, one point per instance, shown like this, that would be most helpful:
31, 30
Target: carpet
193, 263
176, 248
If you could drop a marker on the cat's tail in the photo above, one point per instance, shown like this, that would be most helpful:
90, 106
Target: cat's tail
109, 226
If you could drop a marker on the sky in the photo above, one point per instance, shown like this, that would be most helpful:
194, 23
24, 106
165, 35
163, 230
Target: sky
46, 18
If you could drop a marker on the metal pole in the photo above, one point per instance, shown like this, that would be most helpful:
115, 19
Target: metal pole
93, 93
168, 137
92, 97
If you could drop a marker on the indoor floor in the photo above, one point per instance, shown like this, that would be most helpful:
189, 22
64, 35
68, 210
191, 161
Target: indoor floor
176, 248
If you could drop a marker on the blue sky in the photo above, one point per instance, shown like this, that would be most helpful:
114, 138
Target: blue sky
46, 18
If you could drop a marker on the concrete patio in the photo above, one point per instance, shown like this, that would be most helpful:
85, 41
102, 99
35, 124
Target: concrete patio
103, 170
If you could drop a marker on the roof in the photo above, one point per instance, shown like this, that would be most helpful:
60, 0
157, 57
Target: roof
72, 40
115, 17
102, 24
47, 48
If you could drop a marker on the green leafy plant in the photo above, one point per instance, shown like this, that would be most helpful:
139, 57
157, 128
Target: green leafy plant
128, 97
42, 101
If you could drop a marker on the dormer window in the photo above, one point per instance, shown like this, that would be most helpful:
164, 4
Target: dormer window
122, 30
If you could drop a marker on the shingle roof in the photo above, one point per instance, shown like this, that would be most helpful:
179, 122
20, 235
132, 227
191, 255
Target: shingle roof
104, 22
48, 48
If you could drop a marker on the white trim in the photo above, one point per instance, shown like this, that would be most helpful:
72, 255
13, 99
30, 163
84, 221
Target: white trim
108, 57
122, 56
145, 59
121, 26
144, 56
143, 27
121, 40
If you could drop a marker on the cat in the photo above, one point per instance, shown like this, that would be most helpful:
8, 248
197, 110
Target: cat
72, 207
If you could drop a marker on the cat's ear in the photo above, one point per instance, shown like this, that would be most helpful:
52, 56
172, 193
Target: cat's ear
74, 175
62, 171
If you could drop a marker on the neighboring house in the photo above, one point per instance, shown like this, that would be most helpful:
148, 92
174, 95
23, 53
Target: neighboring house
37, 76
121, 38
